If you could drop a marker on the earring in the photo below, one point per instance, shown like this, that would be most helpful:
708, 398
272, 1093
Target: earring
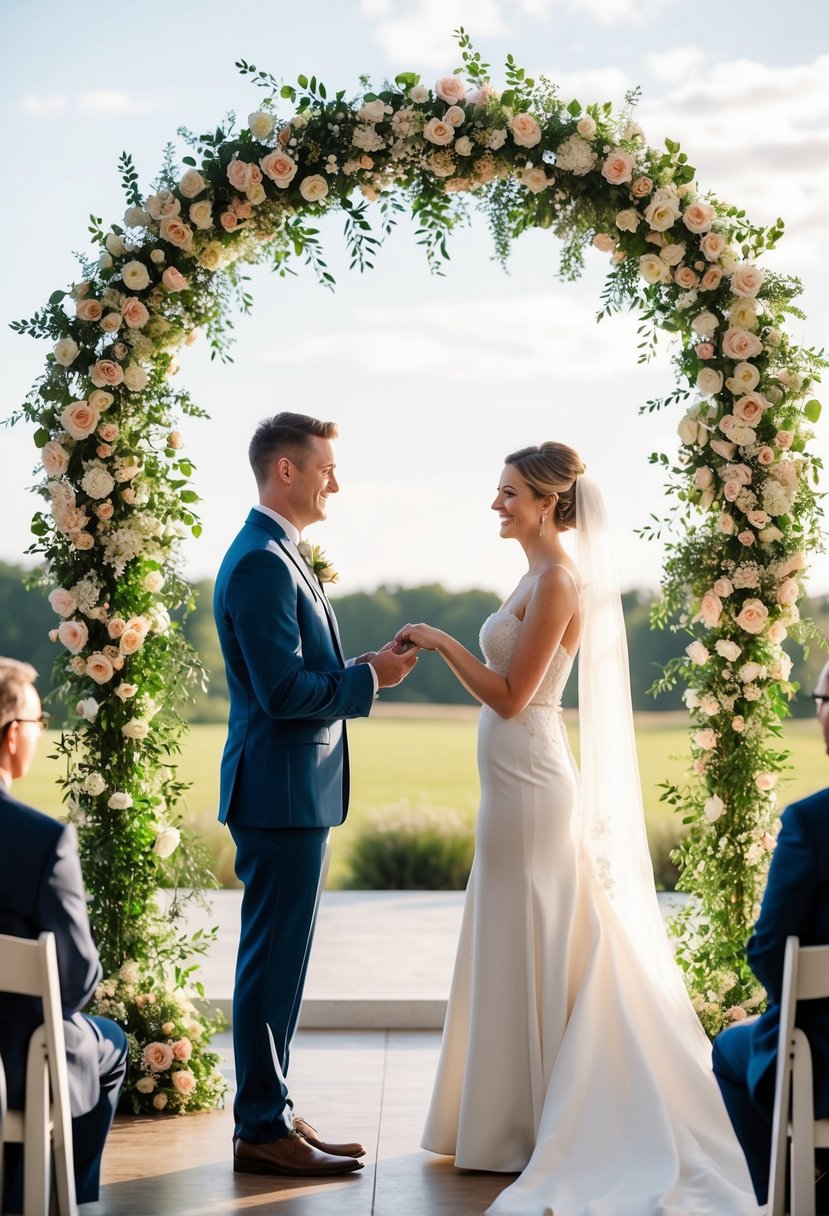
541, 524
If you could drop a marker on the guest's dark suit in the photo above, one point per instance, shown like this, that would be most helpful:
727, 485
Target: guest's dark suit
284, 782
41, 889
796, 902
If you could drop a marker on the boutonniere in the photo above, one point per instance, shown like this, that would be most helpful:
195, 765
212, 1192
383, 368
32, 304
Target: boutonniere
317, 561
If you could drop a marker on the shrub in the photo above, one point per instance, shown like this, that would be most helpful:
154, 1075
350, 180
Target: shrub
400, 849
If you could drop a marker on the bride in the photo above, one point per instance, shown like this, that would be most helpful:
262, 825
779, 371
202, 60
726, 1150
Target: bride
570, 1053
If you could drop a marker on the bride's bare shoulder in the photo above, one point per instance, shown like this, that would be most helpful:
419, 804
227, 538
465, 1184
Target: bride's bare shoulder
558, 580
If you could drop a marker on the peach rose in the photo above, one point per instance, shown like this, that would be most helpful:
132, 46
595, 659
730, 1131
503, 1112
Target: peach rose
698, 217
750, 409
229, 220
765, 782
146, 1085
89, 310
105, 510
73, 635
238, 174
182, 1049
703, 478
173, 229
746, 538
697, 653
765, 455
723, 587
54, 458
439, 132
604, 242
174, 280
184, 1081
752, 618
62, 602
758, 519
704, 350
106, 372
201, 214
279, 167
726, 524
586, 126
80, 418
111, 323
131, 641
788, 592
783, 439
135, 313
455, 116
84, 541
685, 277
711, 278
116, 627
641, 187
738, 723
777, 632
710, 610
157, 1057
746, 280
618, 167
99, 668
741, 344
732, 490
525, 130
712, 245
723, 448
160, 1101
451, 89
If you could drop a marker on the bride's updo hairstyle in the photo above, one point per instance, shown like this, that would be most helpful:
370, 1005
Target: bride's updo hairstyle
552, 468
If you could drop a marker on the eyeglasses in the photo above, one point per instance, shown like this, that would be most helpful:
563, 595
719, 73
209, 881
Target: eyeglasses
43, 722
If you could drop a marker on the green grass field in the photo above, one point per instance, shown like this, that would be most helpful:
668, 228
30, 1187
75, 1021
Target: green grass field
428, 761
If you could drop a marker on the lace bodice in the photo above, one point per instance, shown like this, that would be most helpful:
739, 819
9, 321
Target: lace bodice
498, 636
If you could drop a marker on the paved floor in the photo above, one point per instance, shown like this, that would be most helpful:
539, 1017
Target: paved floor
368, 1085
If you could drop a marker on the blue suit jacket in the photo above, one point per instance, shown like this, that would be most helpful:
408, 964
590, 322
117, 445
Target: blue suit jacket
285, 763
796, 902
41, 889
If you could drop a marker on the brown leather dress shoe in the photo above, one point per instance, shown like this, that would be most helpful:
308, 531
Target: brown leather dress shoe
310, 1133
291, 1155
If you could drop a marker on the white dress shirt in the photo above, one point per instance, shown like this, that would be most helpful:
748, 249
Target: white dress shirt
293, 533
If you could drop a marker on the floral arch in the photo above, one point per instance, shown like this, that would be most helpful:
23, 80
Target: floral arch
118, 488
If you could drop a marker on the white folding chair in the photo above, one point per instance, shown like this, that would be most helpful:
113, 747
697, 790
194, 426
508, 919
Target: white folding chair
805, 978
44, 1127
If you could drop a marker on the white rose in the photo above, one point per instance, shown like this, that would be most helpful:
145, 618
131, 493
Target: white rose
705, 324
119, 801
372, 111
87, 709
66, 352
201, 214
653, 269
94, 784
135, 377
167, 841
709, 381
135, 275
260, 124
153, 581
713, 809
136, 728
419, 94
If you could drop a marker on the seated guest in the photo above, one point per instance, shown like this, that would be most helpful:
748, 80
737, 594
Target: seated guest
41, 889
796, 903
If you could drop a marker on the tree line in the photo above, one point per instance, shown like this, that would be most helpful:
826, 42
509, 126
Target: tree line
368, 619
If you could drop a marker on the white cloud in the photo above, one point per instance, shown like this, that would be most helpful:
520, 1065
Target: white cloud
592, 84
676, 65
420, 34
42, 103
605, 12
104, 101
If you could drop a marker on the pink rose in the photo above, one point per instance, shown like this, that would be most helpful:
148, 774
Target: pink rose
89, 310
758, 519
279, 167
738, 723
451, 89
135, 313
184, 1081
157, 1057
752, 617
618, 167
228, 221
238, 174
106, 373
749, 409
641, 187
710, 610
83, 541
783, 439
704, 350
765, 782
182, 1049
706, 739
723, 587
711, 278
723, 448
703, 478
726, 524
174, 280
73, 635
746, 280
62, 601
732, 491
746, 538
741, 344
698, 217
80, 419
712, 245
525, 130
765, 455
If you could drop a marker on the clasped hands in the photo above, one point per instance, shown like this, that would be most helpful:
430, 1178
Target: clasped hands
397, 658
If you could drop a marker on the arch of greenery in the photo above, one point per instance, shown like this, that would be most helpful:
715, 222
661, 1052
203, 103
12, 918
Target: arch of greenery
118, 494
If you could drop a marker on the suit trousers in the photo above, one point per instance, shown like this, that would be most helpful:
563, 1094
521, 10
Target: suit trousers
282, 870
90, 1130
750, 1117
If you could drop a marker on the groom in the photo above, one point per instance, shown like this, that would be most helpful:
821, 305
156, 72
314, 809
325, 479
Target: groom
284, 775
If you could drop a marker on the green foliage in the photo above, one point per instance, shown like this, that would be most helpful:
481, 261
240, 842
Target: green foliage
400, 849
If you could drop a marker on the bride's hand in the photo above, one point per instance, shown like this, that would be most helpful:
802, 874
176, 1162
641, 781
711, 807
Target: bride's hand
424, 636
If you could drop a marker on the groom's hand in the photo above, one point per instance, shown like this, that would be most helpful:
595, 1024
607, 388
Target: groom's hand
393, 663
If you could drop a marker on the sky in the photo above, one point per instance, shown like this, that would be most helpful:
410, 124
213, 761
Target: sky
433, 380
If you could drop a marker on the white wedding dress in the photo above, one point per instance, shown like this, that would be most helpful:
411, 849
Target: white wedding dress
561, 1055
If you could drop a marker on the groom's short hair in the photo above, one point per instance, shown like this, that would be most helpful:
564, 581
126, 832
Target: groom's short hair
285, 434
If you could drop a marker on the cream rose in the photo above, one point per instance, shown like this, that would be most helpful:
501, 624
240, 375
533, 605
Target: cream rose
450, 89
260, 125
192, 184
111, 323
182, 1049
672, 254
746, 280
201, 214
703, 478
526, 132
279, 167
709, 381
628, 220
157, 1057
618, 167
653, 269
136, 728
752, 618
100, 400
661, 213
727, 649
99, 668
454, 115
166, 842
145, 1085
697, 653
744, 378
135, 275
705, 324
313, 188
80, 419
135, 377
534, 180
66, 352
